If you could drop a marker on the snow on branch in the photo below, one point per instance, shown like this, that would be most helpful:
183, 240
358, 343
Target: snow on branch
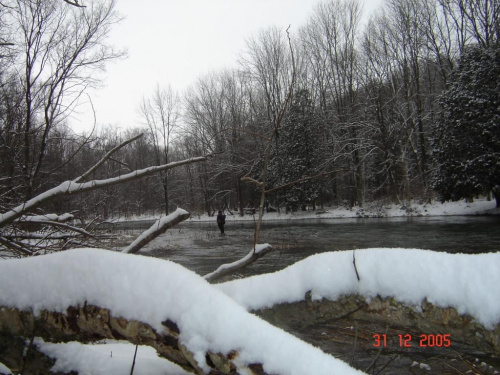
74, 187
75, 3
42, 219
226, 269
160, 227
15, 246
84, 176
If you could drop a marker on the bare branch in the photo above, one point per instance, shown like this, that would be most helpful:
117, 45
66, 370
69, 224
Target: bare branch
226, 269
156, 229
74, 3
14, 246
253, 181
299, 181
84, 176
60, 225
72, 187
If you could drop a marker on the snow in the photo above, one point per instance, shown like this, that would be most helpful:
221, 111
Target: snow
164, 221
48, 217
466, 282
258, 249
73, 187
373, 209
125, 284
216, 318
109, 357
4, 369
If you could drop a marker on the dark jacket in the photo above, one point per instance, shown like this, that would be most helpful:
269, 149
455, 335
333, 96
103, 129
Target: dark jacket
221, 219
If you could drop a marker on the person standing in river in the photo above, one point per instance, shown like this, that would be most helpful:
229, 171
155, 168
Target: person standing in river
221, 220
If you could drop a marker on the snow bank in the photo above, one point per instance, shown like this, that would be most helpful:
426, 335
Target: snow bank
110, 358
151, 290
4, 369
468, 283
375, 209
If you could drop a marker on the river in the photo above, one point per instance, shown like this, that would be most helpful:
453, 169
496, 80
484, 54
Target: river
199, 246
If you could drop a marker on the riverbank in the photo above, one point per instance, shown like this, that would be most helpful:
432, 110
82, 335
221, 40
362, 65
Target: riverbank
374, 209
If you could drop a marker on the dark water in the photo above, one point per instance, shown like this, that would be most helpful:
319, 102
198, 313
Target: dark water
199, 247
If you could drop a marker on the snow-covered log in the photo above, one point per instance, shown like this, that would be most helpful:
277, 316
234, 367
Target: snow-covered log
86, 323
149, 301
40, 219
229, 268
159, 227
434, 292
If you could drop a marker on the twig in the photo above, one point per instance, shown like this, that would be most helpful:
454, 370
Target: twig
354, 263
299, 181
388, 363
347, 314
133, 363
374, 362
355, 343
106, 157
74, 3
14, 246
58, 224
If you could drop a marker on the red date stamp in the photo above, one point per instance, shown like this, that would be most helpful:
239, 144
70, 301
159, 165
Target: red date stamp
423, 341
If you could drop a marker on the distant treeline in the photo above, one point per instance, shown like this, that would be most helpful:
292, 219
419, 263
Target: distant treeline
366, 115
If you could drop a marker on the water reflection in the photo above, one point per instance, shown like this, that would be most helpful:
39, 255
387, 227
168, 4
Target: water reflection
199, 247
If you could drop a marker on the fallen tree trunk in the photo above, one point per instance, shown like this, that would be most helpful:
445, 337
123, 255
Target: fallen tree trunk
90, 323
227, 269
159, 227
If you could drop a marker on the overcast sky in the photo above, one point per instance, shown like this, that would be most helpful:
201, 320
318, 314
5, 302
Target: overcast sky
175, 42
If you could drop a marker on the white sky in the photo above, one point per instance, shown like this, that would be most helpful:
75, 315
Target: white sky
175, 42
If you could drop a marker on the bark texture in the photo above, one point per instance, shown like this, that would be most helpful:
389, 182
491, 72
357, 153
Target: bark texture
90, 323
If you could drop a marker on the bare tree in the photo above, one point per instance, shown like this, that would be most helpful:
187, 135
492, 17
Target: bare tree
329, 41
268, 62
60, 50
475, 21
218, 113
161, 113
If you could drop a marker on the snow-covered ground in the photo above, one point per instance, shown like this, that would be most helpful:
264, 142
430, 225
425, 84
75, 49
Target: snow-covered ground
107, 357
215, 317
374, 209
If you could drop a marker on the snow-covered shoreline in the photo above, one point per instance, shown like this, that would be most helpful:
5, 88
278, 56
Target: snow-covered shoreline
480, 207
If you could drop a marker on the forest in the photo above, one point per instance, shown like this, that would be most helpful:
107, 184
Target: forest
399, 106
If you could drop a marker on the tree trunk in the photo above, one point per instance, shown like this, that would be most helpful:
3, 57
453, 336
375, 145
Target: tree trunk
90, 323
